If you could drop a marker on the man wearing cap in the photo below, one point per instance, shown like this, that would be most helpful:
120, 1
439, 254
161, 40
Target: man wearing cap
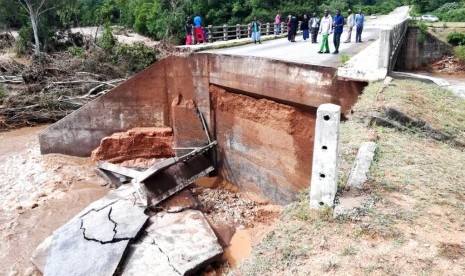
350, 25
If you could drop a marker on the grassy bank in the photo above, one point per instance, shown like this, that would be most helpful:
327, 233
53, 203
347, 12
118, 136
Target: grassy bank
416, 226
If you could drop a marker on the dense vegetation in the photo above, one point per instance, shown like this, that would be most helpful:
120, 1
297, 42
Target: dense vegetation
163, 19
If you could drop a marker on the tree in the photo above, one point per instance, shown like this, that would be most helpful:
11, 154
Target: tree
35, 8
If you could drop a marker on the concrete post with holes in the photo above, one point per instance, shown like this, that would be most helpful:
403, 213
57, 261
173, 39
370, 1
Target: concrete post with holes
238, 31
267, 32
323, 186
282, 28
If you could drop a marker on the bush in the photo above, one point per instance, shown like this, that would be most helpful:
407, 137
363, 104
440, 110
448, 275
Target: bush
76, 51
24, 40
451, 12
134, 57
460, 53
107, 41
456, 38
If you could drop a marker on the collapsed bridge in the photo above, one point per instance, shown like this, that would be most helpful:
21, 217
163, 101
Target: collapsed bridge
261, 112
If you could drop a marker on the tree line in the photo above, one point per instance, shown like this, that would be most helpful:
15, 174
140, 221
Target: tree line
38, 20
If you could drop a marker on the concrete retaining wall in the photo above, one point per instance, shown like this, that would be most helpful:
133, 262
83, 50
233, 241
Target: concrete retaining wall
267, 154
414, 55
145, 99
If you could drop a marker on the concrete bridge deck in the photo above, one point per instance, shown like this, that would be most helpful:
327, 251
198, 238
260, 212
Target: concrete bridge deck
363, 56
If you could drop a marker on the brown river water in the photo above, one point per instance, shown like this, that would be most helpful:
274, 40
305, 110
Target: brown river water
39, 193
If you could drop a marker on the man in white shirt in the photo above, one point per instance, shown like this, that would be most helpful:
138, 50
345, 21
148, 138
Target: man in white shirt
350, 25
326, 28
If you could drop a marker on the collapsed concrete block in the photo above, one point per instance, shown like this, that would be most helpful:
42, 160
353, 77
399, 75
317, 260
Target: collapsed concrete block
325, 156
181, 243
360, 172
94, 241
39, 256
147, 142
188, 129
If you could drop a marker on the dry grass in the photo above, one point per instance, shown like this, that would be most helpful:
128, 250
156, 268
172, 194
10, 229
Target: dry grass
416, 226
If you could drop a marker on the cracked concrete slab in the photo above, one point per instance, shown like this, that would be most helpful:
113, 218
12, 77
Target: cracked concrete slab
94, 242
185, 239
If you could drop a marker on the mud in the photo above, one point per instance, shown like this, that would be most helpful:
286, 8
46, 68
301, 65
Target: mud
39, 194
148, 142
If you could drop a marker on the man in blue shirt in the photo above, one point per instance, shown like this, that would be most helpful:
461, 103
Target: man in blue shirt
359, 21
198, 29
338, 25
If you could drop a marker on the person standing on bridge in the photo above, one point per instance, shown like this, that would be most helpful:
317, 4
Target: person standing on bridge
288, 25
304, 27
314, 26
294, 26
350, 25
338, 25
277, 24
188, 27
255, 25
359, 21
198, 29
326, 27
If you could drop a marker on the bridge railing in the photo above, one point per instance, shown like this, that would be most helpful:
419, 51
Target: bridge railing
230, 32
391, 39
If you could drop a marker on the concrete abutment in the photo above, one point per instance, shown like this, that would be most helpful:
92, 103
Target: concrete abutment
261, 111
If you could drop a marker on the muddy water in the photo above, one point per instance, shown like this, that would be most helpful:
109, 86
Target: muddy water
39, 194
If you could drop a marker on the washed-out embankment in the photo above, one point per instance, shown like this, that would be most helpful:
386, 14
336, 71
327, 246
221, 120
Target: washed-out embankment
261, 112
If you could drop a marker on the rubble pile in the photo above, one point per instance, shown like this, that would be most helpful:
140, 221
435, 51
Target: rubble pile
448, 64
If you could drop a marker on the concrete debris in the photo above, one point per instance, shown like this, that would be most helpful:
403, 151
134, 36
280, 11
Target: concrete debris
189, 130
149, 142
353, 207
177, 243
94, 241
39, 256
360, 172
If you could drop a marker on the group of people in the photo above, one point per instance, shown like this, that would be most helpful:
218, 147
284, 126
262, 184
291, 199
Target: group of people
335, 25
310, 26
324, 26
199, 31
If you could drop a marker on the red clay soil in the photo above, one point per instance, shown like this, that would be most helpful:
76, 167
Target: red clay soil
148, 142
260, 133
449, 65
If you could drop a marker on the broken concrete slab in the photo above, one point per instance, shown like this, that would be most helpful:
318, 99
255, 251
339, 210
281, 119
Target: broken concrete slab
39, 256
94, 242
126, 193
147, 259
360, 172
185, 239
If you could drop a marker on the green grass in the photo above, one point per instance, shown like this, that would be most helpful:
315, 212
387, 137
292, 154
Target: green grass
417, 184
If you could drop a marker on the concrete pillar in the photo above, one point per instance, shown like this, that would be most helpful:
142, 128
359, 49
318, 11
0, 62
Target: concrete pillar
210, 33
238, 31
361, 170
225, 32
385, 46
267, 28
323, 186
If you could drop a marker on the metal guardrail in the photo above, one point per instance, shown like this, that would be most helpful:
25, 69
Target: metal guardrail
230, 32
